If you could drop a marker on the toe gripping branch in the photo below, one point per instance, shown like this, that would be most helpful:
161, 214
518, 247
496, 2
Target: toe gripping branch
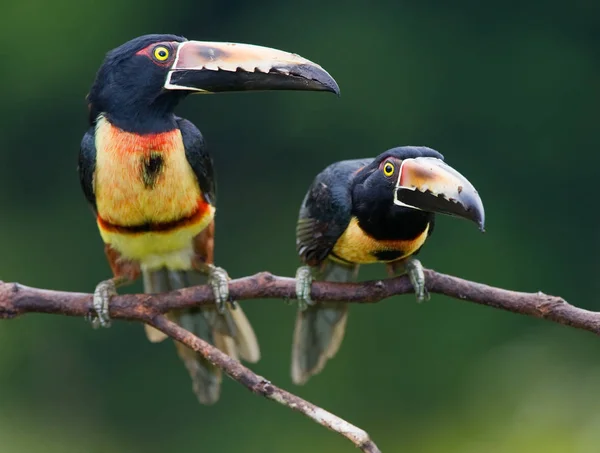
218, 279
415, 272
104, 291
412, 267
304, 281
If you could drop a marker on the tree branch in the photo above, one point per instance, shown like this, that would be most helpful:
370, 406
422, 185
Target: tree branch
261, 386
16, 300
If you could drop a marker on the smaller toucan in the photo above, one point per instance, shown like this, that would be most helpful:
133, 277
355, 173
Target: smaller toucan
365, 211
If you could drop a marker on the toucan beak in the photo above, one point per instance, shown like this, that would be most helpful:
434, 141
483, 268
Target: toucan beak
212, 67
429, 184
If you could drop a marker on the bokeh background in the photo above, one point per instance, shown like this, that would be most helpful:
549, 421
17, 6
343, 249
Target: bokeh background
508, 91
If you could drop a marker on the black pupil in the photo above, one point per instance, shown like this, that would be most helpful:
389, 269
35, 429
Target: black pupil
388, 168
162, 53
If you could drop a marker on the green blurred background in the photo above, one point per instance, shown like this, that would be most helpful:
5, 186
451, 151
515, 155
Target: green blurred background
508, 91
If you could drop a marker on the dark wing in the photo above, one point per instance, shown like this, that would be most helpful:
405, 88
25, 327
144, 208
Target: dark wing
197, 156
326, 211
87, 166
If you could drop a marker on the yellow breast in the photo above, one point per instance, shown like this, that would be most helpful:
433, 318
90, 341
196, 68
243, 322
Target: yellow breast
128, 191
149, 203
356, 246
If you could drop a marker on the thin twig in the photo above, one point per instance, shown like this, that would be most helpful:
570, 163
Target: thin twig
262, 386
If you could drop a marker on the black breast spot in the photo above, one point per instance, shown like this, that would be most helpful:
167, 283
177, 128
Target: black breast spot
151, 168
388, 255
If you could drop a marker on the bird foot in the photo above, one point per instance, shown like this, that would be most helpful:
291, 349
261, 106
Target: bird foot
102, 295
414, 269
304, 281
218, 279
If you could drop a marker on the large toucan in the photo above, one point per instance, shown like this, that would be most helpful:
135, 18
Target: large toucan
365, 211
149, 177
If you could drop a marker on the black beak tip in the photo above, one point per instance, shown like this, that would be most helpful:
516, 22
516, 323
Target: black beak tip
475, 215
318, 78
329, 84
326, 83
334, 88
473, 210
478, 217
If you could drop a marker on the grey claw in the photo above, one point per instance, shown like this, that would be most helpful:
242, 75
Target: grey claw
415, 272
102, 295
219, 282
93, 320
304, 281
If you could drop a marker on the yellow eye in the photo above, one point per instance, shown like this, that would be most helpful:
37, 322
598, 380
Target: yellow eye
161, 53
388, 169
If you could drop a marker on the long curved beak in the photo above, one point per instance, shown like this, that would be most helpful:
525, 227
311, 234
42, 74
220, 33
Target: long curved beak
211, 67
429, 184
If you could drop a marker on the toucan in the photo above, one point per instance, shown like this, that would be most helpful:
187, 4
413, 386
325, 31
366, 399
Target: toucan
363, 211
150, 180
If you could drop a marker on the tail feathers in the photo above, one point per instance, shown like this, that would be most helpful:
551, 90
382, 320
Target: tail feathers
231, 332
154, 335
234, 332
227, 345
318, 336
245, 339
155, 282
206, 378
320, 329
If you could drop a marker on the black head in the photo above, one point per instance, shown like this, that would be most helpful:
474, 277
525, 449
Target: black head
373, 196
406, 186
129, 86
140, 83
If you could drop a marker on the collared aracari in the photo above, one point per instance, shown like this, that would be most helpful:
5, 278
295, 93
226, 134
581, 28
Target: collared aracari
366, 211
150, 181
